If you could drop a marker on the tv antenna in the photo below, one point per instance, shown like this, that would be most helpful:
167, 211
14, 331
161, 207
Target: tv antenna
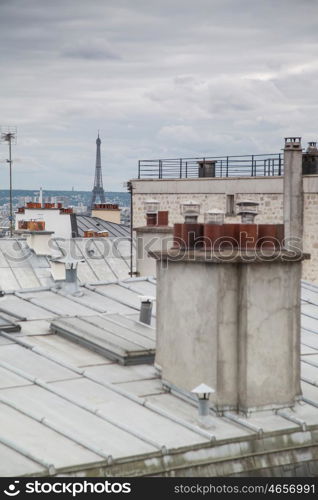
9, 134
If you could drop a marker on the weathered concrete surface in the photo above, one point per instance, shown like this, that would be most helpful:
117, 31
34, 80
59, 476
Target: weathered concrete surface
293, 196
269, 334
196, 327
233, 326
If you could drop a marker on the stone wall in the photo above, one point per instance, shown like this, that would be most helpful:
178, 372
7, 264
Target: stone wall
270, 208
212, 193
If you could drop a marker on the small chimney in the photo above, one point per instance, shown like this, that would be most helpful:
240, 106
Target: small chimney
151, 211
247, 209
146, 309
71, 286
312, 147
203, 393
293, 193
214, 216
310, 159
191, 211
163, 218
109, 212
207, 168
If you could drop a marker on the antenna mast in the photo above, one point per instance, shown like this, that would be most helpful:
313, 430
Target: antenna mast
9, 135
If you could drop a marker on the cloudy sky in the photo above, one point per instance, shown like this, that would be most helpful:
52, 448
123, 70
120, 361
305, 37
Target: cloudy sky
164, 78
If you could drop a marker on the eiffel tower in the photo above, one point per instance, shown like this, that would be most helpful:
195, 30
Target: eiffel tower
98, 190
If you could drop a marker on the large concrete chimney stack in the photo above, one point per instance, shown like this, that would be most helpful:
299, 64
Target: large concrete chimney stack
230, 318
293, 193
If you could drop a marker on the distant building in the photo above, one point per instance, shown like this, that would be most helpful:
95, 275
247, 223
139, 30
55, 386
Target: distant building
67, 224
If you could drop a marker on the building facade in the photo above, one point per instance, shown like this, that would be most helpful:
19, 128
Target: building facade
224, 193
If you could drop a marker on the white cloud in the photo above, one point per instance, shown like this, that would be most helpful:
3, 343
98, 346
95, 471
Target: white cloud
178, 133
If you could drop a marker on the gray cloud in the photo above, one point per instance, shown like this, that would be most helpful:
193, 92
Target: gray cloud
167, 78
90, 49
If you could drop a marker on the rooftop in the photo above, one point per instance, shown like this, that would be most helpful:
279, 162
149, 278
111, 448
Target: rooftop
86, 223
98, 259
66, 409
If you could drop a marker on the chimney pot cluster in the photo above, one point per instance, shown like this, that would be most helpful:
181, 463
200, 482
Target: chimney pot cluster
31, 225
33, 205
216, 234
91, 233
66, 210
46, 206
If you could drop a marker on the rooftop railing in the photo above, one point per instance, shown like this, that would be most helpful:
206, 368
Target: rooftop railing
261, 165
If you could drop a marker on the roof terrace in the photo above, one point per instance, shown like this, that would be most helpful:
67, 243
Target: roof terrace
259, 165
